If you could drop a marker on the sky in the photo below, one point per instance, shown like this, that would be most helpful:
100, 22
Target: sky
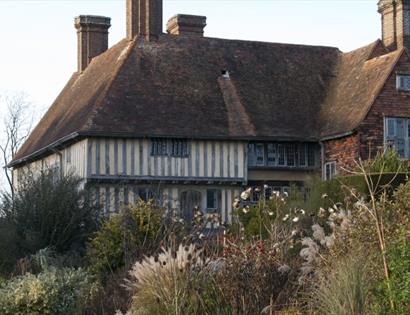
38, 41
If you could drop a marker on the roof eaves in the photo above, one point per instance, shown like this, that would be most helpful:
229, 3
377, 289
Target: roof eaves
44, 151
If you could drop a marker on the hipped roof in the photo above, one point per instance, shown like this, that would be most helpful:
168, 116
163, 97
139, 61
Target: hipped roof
211, 88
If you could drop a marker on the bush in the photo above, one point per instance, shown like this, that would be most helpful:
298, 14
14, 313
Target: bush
399, 259
9, 251
252, 277
136, 231
54, 291
176, 283
342, 288
50, 211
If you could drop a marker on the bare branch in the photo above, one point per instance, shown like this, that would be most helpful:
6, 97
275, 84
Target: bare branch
17, 123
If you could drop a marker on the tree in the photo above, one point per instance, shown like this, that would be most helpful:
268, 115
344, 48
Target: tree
50, 211
17, 125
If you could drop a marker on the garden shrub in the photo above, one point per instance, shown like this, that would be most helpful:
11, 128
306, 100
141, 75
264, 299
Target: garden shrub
50, 211
9, 251
136, 231
252, 277
342, 288
399, 259
177, 282
53, 291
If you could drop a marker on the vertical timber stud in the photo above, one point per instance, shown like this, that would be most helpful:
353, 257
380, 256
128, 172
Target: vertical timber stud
144, 18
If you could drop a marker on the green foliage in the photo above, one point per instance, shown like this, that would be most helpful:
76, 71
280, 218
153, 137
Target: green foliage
54, 291
399, 262
9, 251
135, 230
388, 162
259, 219
50, 211
343, 288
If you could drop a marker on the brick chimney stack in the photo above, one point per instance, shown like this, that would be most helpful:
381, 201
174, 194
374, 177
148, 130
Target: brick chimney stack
92, 36
183, 24
395, 23
144, 18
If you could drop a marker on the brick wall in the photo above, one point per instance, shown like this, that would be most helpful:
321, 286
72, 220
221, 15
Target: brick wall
345, 151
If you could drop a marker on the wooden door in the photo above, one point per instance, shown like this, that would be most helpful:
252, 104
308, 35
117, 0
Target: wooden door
190, 199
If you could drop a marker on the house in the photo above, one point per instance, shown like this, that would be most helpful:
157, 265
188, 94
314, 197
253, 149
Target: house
192, 120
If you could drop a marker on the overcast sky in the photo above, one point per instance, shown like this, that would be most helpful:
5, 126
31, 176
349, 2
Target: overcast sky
38, 40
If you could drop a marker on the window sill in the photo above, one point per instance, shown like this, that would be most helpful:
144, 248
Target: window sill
285, 168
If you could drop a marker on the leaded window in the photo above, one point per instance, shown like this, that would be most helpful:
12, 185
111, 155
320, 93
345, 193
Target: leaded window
282, 154
169, 147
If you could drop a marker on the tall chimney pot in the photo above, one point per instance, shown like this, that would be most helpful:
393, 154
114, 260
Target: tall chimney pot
183, 24
92, 36
395, 23
144, 18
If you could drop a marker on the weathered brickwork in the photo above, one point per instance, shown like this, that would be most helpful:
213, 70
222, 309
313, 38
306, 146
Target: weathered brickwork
345, 151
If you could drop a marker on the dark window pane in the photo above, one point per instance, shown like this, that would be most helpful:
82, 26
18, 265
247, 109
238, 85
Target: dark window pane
271, 154
260, 154
281, 155
302, 155
290, 154
211, 199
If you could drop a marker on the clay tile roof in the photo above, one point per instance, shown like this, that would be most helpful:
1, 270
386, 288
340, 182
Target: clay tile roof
358, 79
175, 87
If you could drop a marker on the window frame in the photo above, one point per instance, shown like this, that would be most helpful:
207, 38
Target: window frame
395, 141
401, 85
173, 147
282, 155
216, 193
332, 166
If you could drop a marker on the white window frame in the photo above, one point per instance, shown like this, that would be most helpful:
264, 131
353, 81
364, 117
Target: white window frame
392, 140
403, 82
332, 167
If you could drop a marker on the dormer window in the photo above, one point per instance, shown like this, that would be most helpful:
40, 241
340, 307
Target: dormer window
403, 82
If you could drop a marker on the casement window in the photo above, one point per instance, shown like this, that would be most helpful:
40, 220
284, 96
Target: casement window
146, 194
213, 197
329, 170
179, 147
159, 146
169, 147
403, 82
397, 135
272, 154
281, 155
260, 154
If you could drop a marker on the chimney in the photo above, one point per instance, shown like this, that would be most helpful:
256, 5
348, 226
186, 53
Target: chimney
144, 18
191, 25
395, 23
92, 36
